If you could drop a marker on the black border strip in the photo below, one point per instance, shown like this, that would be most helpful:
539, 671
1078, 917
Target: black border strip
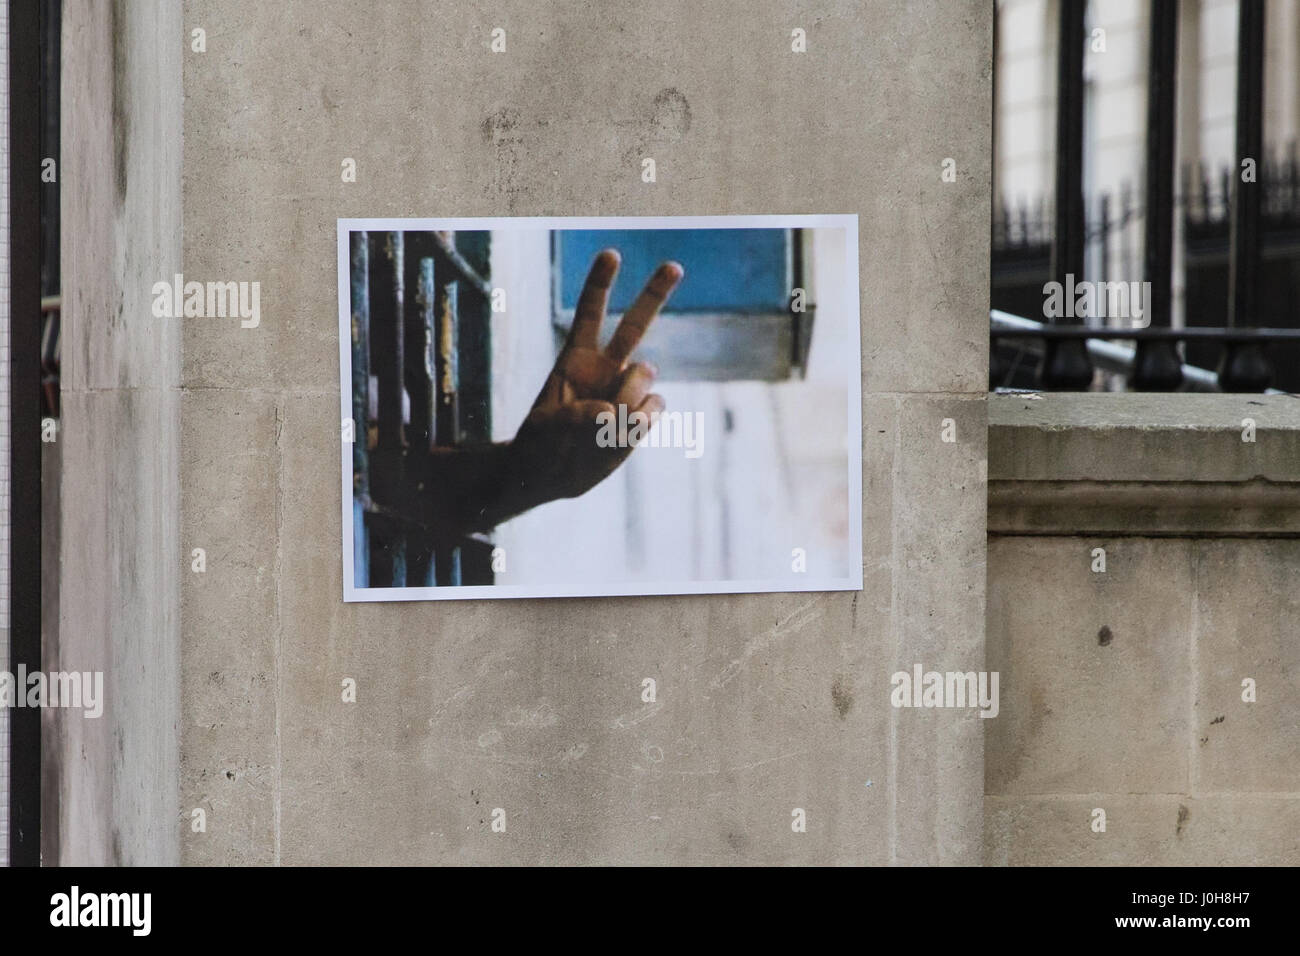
25, 423
1022, 905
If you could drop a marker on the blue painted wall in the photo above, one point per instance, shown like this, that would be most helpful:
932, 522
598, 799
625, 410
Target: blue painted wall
726, 269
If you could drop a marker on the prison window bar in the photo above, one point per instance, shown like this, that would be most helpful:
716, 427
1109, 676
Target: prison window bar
407, 318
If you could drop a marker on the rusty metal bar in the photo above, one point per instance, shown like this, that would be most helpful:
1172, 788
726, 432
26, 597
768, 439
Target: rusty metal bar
387, 352
417, 360
415, 325
387, 344
359, 259
360, 292
446, 367
420, 432
474, 338
461, 270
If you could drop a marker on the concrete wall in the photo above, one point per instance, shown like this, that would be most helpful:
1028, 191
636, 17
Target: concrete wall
1122, 689
117, 777
766, 702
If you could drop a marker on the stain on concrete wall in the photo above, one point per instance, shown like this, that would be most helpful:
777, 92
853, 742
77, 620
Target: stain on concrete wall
118, 775
1123, 682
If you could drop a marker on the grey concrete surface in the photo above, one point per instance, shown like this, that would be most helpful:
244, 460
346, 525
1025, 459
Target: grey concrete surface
1119, 691
767, 702
229, 758
118, 776
1123, 688
1085, 709
1168, 829
1136, 437
1247, 610
1157, 508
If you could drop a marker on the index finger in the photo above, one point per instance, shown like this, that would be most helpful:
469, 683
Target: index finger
643, 311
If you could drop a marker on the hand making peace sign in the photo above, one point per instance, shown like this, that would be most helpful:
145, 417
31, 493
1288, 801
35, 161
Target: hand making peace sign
556, 450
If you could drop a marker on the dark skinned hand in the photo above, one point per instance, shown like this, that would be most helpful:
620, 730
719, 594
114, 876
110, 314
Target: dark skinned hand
555, 450
555, 453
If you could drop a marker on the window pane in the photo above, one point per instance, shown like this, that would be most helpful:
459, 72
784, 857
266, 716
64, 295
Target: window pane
727, 270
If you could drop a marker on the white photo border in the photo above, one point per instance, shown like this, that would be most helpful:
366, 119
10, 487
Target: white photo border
850, 582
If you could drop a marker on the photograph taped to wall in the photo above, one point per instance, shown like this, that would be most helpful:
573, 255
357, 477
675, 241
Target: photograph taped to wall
574, 407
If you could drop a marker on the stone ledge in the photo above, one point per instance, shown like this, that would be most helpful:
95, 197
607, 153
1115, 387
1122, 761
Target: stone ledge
1141, 438
1255, 508
1141, 829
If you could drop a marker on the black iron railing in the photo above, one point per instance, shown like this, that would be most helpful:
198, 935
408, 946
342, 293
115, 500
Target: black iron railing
1243, 366
1241, 241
